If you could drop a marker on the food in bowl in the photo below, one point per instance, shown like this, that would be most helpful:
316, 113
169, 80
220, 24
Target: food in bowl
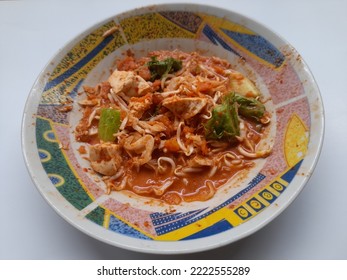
172, 125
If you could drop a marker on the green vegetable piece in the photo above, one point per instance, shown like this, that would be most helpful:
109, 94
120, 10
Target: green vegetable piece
159, 69
224, 124
250, 107
109, 124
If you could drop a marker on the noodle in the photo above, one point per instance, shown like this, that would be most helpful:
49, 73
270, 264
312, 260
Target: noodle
172, 126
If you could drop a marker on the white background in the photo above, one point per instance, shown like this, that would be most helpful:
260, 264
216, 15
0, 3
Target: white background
314, 226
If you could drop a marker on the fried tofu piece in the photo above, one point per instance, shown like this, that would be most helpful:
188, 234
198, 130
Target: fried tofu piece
185, 107
128, 83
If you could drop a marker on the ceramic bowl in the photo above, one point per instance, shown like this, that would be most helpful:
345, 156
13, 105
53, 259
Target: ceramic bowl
129, 222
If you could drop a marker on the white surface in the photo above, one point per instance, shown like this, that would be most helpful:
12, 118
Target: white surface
313, 227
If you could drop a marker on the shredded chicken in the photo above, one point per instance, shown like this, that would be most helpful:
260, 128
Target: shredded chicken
105, 158
140, 145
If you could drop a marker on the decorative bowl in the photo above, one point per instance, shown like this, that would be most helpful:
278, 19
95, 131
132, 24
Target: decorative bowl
59, 171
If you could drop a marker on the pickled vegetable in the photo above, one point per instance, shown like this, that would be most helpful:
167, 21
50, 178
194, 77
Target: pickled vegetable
109, 124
